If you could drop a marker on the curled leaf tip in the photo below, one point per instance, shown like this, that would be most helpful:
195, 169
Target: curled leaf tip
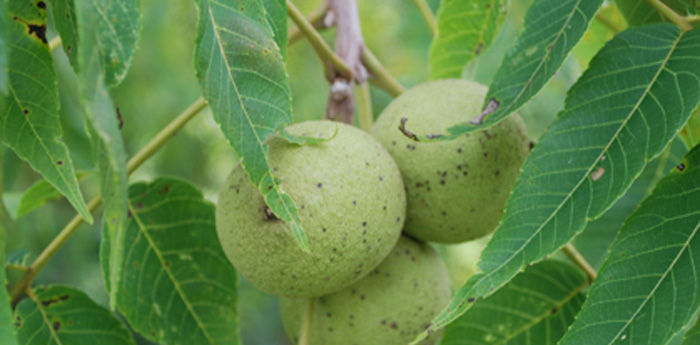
491, 108
405, 131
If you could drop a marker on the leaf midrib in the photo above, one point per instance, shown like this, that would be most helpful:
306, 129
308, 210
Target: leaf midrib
48, 324
176, 285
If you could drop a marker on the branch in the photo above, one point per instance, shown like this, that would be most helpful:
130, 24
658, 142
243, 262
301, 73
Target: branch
671, 14
151, 148
580, 261
316, 20
427, 15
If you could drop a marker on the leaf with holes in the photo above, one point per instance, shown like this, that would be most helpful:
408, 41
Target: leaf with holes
626, 108
536, 307
276, 11
63, 15
647, 289
29, 121
552, 29
59, 315
7, 332
176, 286
465, 28
242, 75
94, 76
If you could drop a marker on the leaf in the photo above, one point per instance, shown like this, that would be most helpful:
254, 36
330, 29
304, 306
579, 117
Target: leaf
593, 151
18, 257
647, 289
177, 287
34, 197
29, 124
276, 11
693, 335
94, 76
7, 332
638, 13
63, 14
3, 54
552, 29
691, 132
59, 315
536, 307
465, 28
242, 75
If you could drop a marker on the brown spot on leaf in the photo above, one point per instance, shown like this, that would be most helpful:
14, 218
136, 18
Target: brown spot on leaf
268, 214
120, 119
596, 175
165, 189
50, 301
680, 167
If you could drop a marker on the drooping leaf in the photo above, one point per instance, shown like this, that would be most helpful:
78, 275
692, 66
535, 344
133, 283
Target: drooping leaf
465, 28
7, 328
102, 23
276, 11
29, 121
177, 287
536, 307
637, 94
691, 132
60, 315
63, 14
647, 289
693, 335
552, 29
638, 13
242, 75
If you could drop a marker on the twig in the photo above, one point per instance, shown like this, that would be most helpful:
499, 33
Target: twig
305, 333
580, 261
427, 14
379, 75
322, 49
70, 228
671, 14
364, 107
316, 20
693, 18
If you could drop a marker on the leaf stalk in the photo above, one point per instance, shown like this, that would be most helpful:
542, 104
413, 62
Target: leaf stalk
671, 14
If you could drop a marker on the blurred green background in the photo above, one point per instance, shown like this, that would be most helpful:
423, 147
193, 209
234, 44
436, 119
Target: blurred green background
161, 83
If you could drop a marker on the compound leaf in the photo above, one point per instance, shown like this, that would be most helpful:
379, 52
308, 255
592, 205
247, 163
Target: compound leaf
633, 100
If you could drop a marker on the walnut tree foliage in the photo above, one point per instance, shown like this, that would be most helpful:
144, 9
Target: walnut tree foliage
166, 277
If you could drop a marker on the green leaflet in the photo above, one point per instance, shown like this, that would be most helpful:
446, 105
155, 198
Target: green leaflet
465, 29
7, 332
242, 75
59, 315
536, 307
647, 290
176, 282
552, 29
34, 197
593, 151
63, 15
29, 120
103, 27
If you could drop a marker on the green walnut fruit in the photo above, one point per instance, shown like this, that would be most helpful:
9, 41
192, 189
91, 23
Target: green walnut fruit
389, 306
351, 204
456, 190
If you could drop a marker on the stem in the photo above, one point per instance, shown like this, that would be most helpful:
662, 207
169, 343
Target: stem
316, 20
54, 43
70, 228
670, 14
305, 334
427, 15
380, 76
364, 107
580, 261
693, 18
17, 267
320, 46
